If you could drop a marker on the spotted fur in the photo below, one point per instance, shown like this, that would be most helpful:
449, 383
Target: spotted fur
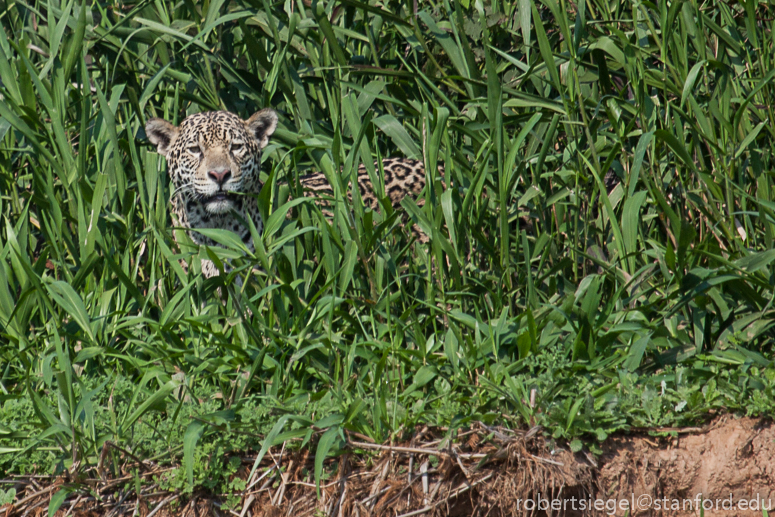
402, 177
216, 156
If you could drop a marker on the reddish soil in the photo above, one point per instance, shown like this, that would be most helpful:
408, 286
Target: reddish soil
726, 468
731, 465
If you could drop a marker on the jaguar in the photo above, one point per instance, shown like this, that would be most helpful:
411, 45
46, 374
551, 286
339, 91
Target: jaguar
214, 159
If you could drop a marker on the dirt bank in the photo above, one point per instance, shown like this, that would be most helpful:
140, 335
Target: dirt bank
729, 464
725, 467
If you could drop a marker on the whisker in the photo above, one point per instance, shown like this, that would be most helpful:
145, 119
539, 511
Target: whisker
182, 188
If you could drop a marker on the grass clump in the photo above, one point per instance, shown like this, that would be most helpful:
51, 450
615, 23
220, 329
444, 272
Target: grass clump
643, 302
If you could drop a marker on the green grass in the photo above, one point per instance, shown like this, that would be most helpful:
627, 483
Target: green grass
649, 305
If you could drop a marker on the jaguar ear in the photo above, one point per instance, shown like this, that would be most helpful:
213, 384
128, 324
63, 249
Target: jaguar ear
161, 134
261, 125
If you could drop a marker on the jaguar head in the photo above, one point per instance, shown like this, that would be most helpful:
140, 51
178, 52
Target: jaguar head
212, 157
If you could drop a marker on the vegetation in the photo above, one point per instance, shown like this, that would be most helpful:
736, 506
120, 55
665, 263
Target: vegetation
543, 297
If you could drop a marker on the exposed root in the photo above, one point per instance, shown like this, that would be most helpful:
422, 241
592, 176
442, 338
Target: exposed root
486, 471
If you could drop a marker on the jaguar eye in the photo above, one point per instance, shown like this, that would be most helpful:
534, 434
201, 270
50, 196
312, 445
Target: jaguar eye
236, 147
195, 150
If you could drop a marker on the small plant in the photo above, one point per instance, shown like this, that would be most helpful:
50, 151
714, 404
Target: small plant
7, 496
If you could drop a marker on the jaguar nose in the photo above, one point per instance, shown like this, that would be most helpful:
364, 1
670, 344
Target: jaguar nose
220, 176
